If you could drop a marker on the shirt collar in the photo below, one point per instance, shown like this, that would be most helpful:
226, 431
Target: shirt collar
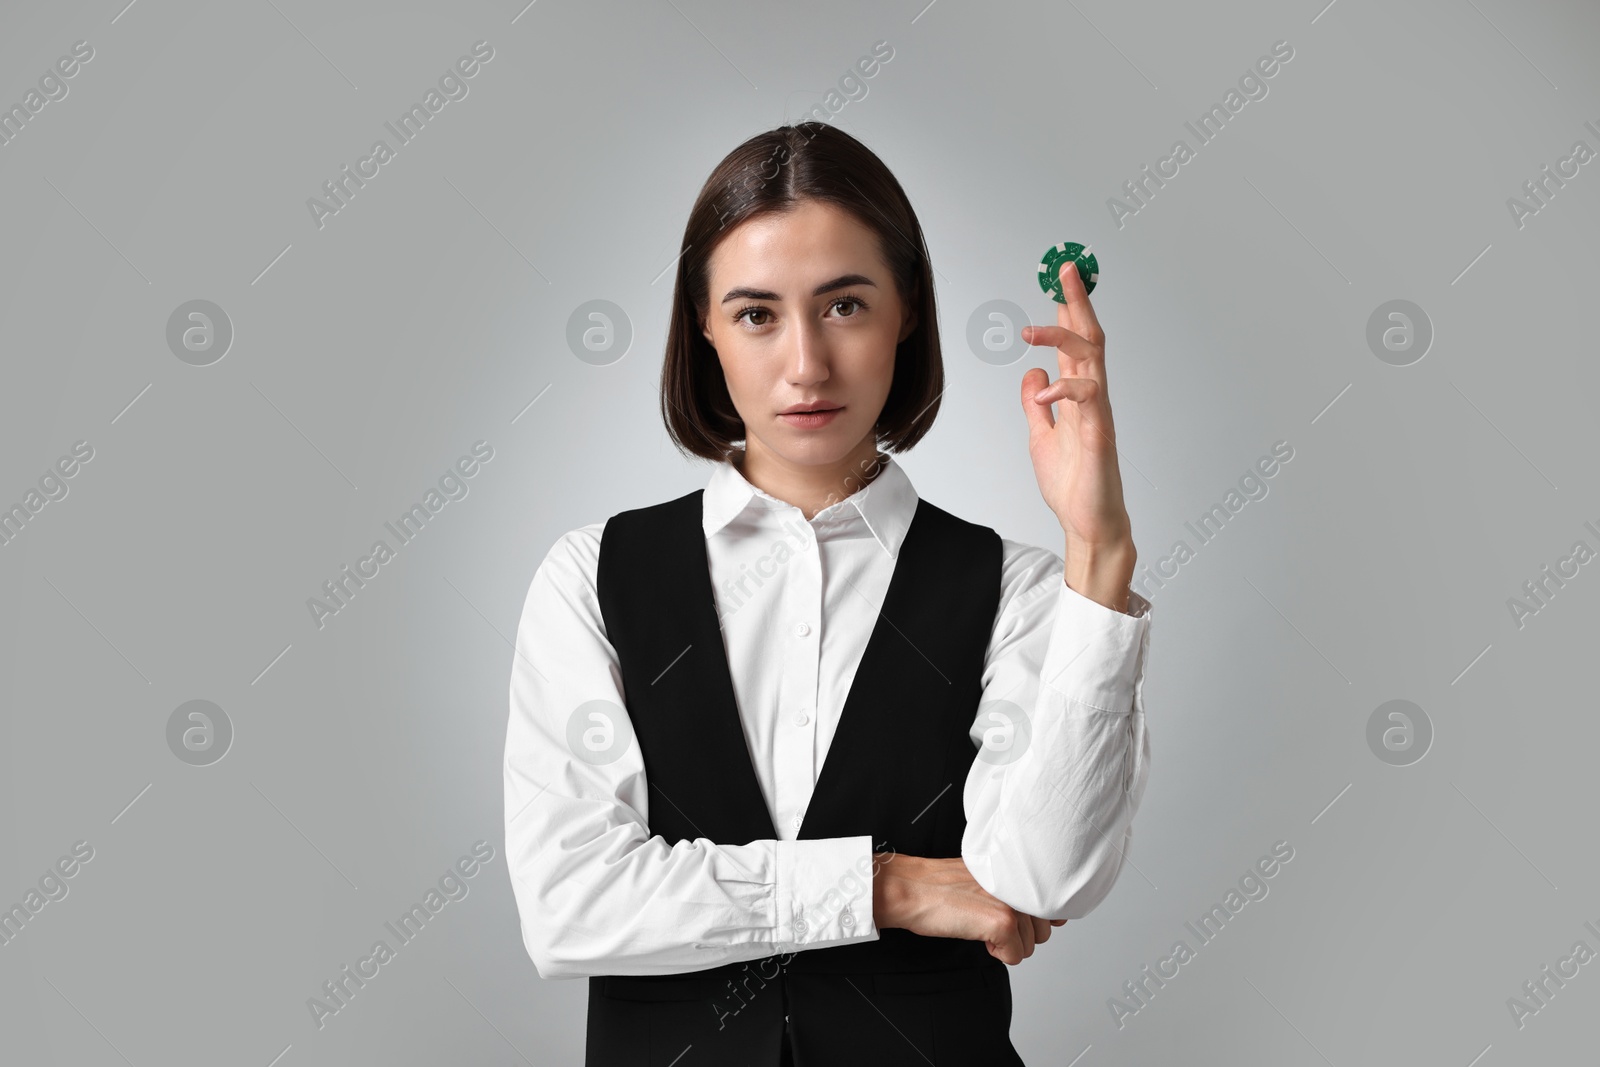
886, 504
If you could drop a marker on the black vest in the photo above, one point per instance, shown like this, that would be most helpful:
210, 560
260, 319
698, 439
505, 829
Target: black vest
899, 759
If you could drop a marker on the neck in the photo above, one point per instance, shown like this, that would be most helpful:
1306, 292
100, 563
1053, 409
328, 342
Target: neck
810, 487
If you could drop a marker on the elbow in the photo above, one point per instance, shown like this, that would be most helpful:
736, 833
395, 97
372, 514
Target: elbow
1076, 894
1089, 880
553, 959
1070, 890
553, 935
1078, 904
553, 968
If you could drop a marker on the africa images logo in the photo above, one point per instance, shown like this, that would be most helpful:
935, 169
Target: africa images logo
1253, 886
453, 885
452, 85
453, 485
1253, 86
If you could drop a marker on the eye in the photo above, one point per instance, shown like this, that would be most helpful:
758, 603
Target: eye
748, 308
859, 305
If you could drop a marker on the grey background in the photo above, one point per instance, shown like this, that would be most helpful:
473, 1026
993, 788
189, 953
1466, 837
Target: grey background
432, 311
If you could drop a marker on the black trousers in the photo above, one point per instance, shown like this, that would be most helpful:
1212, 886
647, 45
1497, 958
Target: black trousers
955, 1018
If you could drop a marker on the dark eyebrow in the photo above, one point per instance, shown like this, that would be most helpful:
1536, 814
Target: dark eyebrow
844, 281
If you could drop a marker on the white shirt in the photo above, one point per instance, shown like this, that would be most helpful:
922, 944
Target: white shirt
1046, 831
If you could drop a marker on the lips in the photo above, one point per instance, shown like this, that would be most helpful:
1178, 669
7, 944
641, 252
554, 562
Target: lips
811, 409
814, 419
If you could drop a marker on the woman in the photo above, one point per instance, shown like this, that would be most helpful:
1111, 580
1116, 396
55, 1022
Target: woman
737, 716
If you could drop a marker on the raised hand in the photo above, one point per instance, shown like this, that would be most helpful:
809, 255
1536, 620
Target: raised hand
1075, 455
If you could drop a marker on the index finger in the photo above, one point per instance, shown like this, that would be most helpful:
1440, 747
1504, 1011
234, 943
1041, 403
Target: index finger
1077, 314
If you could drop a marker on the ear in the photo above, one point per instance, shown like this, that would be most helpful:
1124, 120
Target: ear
705, 332
910, 323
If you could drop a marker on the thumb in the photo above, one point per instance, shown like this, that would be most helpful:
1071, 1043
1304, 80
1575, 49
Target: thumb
1040, 418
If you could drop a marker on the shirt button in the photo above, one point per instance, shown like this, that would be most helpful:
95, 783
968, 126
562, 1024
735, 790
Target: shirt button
800, 927
798, 819
847, 919
802, 629
801, 719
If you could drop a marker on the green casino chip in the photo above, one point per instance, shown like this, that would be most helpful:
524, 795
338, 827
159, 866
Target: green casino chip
1050, 267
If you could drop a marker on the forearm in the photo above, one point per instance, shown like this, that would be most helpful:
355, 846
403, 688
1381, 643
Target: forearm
654, 909
1054, 844
1051, 796
597, 893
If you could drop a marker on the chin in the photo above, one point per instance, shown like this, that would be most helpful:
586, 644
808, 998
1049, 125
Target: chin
829, 445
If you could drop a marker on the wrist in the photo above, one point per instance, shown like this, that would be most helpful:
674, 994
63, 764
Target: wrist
1101, 572
889, 889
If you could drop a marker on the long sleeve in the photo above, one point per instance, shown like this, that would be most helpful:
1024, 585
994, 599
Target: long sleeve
595, 891
1063, 755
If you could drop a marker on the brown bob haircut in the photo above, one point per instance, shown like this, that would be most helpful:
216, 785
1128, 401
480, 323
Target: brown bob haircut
770, 173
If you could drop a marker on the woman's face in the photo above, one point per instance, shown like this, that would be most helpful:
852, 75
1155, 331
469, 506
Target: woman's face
804, 310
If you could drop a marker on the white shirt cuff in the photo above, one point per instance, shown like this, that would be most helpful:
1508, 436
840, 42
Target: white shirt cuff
825, 891
1093, 654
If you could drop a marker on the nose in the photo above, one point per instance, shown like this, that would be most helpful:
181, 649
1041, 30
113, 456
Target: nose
806, 361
